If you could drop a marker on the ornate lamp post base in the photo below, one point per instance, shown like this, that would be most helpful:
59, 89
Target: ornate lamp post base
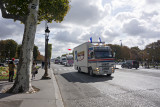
45, 77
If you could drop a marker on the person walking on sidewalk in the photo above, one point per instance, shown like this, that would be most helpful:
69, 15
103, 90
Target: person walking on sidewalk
11, 70
42, 64
34, 70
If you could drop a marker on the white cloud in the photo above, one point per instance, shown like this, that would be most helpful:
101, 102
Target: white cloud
133, 28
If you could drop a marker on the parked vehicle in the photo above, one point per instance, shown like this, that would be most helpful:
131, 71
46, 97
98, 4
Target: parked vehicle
120, 63
7, 61
94, 59
2, 64
56, 61
16, 61
130, 64
69, 60
62, 60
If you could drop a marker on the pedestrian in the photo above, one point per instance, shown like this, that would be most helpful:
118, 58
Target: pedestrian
145, 65
11, 70
34, 70
42, 64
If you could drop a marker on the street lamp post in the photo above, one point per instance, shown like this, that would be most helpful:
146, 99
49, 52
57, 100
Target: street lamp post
45, 76
148, 60
121, 43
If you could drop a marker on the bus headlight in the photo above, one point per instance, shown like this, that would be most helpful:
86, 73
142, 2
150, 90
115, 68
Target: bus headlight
97, 69
112, 69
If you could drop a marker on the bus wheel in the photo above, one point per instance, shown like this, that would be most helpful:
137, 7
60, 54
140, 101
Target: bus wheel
91, 72
108, 74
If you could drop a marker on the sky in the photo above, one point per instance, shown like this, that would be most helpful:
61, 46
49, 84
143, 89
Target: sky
132, 22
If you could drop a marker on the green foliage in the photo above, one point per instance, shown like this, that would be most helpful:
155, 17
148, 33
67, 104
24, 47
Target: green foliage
125, 52
17, 7
35, 52
117, 50
64, 55
153, 50
136, 53
8, 48
49, 51
53, 10
19, 50
48, 9
135, 48
2, 51
11, 47
150, 53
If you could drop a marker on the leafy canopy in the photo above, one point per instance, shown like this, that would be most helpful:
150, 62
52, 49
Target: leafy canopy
48, 9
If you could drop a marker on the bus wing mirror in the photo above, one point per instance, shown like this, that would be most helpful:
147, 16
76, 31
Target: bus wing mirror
114, 54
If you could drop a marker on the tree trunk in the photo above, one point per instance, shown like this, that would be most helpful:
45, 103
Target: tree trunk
23, 79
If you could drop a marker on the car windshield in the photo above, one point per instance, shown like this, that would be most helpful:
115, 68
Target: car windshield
103, 54
69, 58
63, 59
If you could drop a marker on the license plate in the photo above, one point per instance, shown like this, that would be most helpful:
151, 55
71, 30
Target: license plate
105, 71
106, 68
105, 64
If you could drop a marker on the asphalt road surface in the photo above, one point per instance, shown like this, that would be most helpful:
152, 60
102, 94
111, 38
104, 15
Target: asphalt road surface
125, 88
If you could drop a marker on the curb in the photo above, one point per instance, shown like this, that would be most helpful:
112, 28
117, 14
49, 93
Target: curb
59, 101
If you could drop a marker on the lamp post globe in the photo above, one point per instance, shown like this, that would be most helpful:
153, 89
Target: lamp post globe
47, 31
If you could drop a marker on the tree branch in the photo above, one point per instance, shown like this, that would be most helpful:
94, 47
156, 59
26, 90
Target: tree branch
9, 16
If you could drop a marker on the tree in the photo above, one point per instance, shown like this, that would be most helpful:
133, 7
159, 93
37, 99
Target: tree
2, 51
35, 52
125, 52
153, 50
8, 48
11, 47
19, 50
135, 53
40, 57
49, 51
117, 50
30, 12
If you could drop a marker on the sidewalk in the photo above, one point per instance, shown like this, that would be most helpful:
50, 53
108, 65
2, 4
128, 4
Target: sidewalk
48, 96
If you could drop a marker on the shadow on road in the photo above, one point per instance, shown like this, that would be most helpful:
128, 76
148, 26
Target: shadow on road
85, 78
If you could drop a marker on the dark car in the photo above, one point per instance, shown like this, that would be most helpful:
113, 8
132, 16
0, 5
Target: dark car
2, 64
56, 61
130, 64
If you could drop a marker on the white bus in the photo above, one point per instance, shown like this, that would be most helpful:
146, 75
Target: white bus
94, 59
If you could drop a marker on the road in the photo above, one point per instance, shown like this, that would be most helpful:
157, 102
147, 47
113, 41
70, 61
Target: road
125, 88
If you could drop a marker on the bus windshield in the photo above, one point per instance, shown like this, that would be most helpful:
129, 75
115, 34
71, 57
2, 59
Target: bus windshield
63, 59
103, 54
69, 58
